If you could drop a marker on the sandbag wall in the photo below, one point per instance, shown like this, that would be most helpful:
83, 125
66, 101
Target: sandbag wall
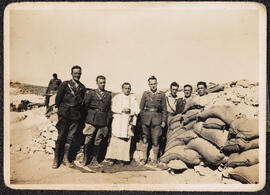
217, 136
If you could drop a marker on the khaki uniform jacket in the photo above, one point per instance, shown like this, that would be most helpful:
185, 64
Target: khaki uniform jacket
156, 101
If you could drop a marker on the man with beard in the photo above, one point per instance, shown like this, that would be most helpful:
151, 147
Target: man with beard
153, 117
68, 100
97, 104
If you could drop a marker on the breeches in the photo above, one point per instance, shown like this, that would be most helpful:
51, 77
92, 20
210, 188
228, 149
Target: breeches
66, 130
153, 132
94, 134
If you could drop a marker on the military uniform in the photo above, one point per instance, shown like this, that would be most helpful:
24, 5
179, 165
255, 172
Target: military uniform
52, 88
97, 104
68, 100
153, 113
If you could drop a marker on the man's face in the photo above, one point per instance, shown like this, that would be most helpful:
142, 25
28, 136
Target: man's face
187, 92
152, 84
101, 84
174, 90
126, 89
76, 74
201, 90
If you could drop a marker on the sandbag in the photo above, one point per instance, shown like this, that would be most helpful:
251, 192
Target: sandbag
214, 123
177, 164
175, 133
188, 156
189, 125
173, 119
192, 104
207, 150
239, 145
245, 128
173, 143
187, 136
191, 115
223, 112
175, 125
246, 175
214, 89
215, 136
246, 158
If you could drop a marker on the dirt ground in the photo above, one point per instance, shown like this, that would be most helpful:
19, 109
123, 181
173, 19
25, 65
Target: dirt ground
28, 167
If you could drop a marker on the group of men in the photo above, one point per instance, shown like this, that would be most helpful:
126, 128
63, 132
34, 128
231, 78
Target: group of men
93, 111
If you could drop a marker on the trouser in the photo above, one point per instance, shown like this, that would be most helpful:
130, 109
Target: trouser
153, 132
66, 130
47, 101
94, 134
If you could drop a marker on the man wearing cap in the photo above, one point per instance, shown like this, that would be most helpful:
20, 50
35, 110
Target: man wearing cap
97, 104
153, 118
68, 100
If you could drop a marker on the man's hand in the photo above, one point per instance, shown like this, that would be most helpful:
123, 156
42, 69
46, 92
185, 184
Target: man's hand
163, 124
126, 110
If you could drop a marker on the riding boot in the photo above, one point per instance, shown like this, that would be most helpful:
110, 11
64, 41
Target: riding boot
94, 161
144, 151
86, 151
66, 155
155, 154
55, 164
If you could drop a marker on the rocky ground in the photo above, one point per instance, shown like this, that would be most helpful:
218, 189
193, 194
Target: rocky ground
33, 137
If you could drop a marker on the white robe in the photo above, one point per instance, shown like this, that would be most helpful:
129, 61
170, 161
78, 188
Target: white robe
122, 122
119, 148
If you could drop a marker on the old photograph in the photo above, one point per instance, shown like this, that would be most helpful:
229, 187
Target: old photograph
148, 96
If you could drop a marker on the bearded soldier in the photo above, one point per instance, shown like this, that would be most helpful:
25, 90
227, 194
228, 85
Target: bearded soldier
153, 117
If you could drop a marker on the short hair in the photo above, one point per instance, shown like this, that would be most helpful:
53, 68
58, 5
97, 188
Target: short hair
54, 75
188, 85
152, 78
75, 67
100, 77
202, 83
126, 83
174, 84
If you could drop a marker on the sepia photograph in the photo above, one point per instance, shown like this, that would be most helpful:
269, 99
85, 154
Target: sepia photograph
141, 96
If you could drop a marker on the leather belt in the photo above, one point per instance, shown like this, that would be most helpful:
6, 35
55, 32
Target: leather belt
151, 109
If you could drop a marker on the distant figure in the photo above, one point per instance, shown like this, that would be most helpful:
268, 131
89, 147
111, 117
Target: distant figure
97, 104
52, 88
69, 101
153, 118
125, 110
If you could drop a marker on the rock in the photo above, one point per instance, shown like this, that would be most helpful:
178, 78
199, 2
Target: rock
138, 155
49, 150
50, 143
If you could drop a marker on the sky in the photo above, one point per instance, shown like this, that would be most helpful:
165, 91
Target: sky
173, 43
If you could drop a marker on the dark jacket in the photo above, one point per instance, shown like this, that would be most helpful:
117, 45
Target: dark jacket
153, 101
53, 85
69, 100
97, 106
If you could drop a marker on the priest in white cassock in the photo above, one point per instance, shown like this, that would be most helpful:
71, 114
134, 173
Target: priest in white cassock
125, 110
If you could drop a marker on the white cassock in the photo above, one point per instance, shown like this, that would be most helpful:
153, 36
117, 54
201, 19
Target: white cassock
119, 146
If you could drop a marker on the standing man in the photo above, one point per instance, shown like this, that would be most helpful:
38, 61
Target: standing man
68, 100
52, 88
153, 116
125, 110
97, 104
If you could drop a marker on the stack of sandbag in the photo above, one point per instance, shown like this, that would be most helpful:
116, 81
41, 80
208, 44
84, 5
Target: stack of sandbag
219, 135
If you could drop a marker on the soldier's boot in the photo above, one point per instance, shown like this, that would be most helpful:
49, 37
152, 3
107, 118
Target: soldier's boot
94, 161
144, 153
155, 154
66, 155
86, 151
55, 164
